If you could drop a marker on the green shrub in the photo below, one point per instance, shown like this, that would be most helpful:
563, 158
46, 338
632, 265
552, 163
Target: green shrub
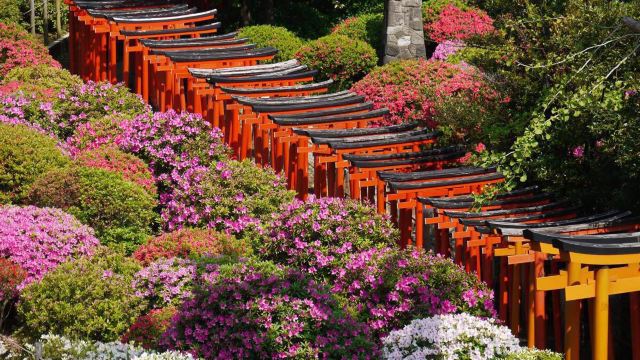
278, 37
10, 11
337, 57
366, 27
121, 212
90, 298
43, 77
110, 158
24, 155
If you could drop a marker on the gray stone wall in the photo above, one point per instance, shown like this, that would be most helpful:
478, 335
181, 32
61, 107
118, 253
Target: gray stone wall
404, 37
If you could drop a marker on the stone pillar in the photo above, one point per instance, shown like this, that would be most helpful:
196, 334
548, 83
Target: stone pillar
404, 36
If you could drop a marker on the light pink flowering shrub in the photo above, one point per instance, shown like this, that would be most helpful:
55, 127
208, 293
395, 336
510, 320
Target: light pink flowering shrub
94, 100
454, 23
411, 89
446, 49
129, 166
318, 235
19, 49
96, 133
389, 287
455, 98
71, 107
256, 310
165, 282
39, 239
168, 139
229, 196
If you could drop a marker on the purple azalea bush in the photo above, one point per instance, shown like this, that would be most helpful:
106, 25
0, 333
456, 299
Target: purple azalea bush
257, 310
318, 235
229, 196
390, 287
170, 139
447, 48
165, 282
69, 108
39, 239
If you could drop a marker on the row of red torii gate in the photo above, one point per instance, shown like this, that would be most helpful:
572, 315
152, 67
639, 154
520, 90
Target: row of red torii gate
553, 267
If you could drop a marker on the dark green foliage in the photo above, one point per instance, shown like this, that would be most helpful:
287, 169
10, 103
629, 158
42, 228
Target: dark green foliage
570, 68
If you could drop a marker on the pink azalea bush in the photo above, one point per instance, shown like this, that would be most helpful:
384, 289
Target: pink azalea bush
411, 88
71, 107
190, 243
39, 239
169, 140
19, 49
251, 310
454, 23
446, 49
93, 100
111, 159
230, 196
165, 282
389, 287
147, 330
96, 133
318, 235
455, 97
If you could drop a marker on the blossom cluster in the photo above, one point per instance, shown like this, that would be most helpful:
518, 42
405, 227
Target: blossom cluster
93, 100
450, 336
317, 235
454, 23
411, 89
70, 108
19, 50
229, 196
170, 140
189, 243
147, 330
165, 282
11, 276
111, 159
60, 347
446, 49
390, 287
260, 311
39, 239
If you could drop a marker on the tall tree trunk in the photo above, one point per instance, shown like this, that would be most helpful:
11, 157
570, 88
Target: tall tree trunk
32, 16
58, 19
245, 12
270, 11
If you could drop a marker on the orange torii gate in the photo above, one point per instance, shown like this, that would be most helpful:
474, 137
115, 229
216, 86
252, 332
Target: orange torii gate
598, 265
